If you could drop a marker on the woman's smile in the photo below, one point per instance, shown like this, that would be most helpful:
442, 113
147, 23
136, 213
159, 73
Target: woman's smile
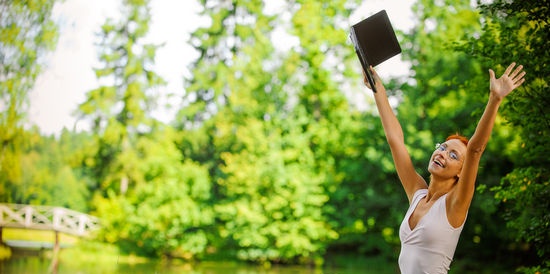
438, 162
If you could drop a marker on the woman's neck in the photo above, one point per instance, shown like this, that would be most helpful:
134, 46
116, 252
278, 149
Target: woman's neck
438, 188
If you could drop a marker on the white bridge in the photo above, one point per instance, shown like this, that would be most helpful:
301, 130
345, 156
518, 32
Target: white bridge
57, 219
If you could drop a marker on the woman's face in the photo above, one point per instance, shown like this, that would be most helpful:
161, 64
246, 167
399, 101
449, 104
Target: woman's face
447, 159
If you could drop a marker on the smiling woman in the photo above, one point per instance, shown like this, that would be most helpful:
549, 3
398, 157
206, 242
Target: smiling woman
463, 139
432, 225
454, 149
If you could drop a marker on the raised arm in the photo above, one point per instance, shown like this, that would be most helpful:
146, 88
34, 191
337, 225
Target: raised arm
461, 196
410, 180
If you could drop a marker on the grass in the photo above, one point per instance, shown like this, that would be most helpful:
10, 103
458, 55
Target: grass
5, 252
37, 236
34, 236
93, 252
80, 251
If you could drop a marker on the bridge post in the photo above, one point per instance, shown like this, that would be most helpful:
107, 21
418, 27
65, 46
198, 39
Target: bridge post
55, 259
56, 245
81, 224
56, 218
28, 216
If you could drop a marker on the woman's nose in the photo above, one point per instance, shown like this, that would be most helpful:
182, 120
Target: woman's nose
442, 153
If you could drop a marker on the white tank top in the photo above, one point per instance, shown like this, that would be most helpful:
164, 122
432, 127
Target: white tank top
430, 246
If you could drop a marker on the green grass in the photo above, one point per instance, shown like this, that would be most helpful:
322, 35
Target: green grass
34, 236
93, 252
37, 236
80, 250
5, 252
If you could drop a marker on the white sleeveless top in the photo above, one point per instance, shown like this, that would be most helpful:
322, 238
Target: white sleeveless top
430, 246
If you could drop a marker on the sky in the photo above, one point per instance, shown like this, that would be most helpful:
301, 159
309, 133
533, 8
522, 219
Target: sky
69, 69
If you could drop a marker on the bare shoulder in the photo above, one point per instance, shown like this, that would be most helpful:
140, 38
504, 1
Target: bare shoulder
412, 186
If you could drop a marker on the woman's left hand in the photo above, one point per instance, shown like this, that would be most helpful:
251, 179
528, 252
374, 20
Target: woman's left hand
511, 79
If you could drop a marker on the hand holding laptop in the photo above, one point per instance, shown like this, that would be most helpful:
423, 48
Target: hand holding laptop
375, 78
374, 41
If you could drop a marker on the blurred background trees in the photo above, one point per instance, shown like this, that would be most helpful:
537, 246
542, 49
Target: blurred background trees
27, 33
277, 154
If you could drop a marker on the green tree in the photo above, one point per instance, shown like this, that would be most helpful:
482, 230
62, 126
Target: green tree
120, 110
51, 180
370, 195
269, 115
518, 31
347, 148
169, 215
447, 96
27, 33
151, 200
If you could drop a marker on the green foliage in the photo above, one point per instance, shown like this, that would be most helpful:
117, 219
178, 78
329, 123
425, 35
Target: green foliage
120, 111
516, 31
269, 158
267, 153
272, 208
151, 201
27, 33
170, 214
446, 96
52, 180
166, 216
527, 186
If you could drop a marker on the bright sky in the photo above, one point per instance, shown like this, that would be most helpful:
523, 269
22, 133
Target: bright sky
69, 74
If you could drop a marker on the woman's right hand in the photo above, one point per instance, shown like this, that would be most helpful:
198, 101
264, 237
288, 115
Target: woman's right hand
377, 80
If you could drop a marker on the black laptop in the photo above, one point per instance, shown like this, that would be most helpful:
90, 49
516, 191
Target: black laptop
374, 41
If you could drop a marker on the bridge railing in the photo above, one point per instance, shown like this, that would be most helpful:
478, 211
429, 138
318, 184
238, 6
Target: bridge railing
47, 218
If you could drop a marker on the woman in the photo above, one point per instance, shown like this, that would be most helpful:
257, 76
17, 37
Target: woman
430, 230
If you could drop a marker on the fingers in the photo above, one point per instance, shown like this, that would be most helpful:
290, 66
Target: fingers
519, 78
516, 75
516, 71
492, 74
517, 84
509, 68
374, 73
365, 81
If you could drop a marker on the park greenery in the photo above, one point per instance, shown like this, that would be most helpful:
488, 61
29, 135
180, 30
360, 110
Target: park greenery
277, 154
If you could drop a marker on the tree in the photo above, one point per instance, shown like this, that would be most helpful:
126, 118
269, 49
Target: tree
348, 149
151, 200
169, 215
27, 33
120, 110
51, 180
269, 114
448, 95
518, 31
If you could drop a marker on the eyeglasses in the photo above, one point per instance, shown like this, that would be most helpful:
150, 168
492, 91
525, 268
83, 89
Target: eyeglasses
452, 154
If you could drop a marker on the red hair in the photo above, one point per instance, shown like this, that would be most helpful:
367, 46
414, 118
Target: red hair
459, 137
